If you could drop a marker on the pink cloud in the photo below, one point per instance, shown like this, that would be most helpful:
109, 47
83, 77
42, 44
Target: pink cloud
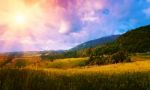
60, 24
147, 12
64, 27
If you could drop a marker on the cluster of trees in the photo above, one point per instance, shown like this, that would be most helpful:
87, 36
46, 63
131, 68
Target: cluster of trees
134, 41
120, 56
109, 53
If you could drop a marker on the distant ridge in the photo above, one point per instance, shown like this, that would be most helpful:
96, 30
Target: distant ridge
96, 42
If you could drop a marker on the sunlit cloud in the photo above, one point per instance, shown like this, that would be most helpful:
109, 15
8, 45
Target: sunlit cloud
62, 24
64, 27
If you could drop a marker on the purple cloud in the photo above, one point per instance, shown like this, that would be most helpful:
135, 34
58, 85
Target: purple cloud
62, 24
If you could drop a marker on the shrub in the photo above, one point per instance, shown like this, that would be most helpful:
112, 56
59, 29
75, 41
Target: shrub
47, 57
120, 56
99, 60
20, 63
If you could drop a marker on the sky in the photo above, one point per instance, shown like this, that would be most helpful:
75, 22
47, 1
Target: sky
35, 25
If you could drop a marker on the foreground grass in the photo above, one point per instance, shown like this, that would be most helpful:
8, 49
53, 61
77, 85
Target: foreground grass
123, 76
66, 74
41, 80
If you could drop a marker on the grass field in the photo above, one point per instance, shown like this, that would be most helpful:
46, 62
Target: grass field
123, 76
64, 63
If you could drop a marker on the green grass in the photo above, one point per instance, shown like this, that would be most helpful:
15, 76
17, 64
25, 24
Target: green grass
145, 55
122, 76
65, 63
17, 79
141, 57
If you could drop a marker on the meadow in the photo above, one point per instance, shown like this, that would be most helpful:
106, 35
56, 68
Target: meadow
122, 76
64, 63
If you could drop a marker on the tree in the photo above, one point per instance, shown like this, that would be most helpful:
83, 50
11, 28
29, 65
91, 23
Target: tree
121, 56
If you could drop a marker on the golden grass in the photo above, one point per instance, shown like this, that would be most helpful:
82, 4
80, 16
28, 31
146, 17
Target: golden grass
64, 63
72, 65
122, 76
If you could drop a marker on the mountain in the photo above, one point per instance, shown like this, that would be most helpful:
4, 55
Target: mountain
96, 42
137, 40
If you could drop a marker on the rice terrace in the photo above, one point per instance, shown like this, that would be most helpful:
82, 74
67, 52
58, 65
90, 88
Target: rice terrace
74, 45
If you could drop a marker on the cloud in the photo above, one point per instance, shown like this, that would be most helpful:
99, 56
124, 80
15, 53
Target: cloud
148, 1
31, 2
64, 27
62, 24
147, 12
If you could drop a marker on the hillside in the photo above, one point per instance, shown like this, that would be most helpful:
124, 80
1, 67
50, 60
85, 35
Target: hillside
96, 42
137, 40
133, 41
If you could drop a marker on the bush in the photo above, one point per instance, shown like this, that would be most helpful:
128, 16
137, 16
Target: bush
99, 60
47, 57
120, 56
20, 63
